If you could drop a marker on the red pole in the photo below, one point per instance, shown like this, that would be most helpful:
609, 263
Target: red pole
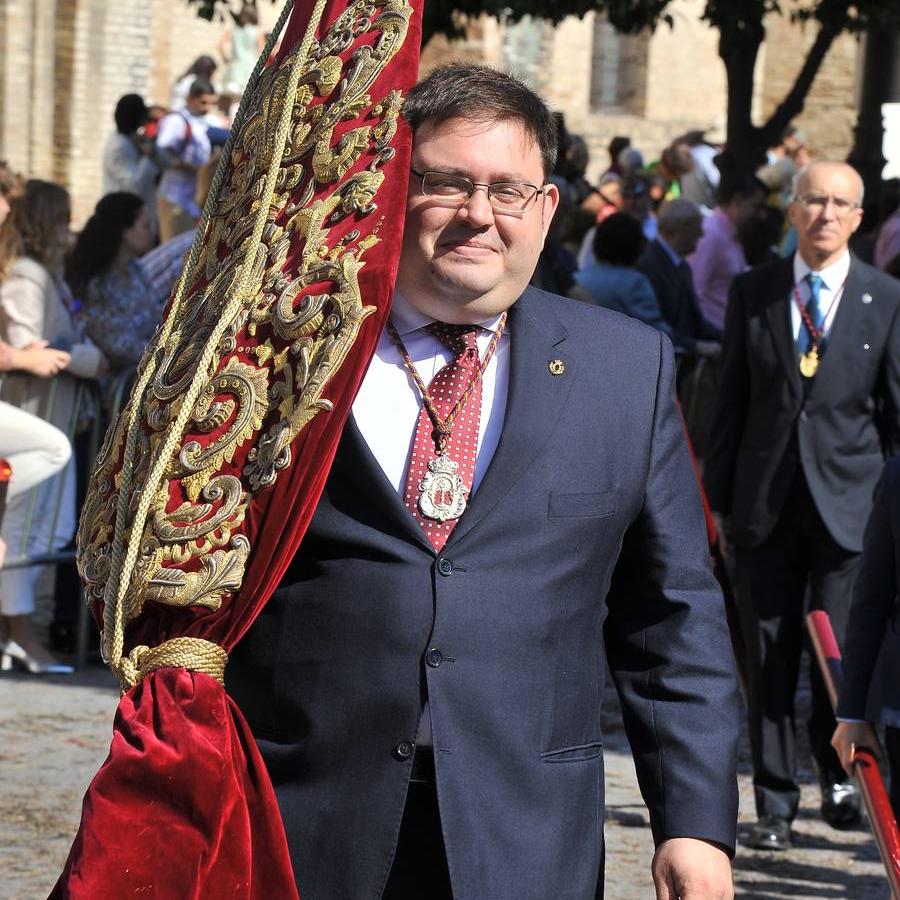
871, 784
5, 475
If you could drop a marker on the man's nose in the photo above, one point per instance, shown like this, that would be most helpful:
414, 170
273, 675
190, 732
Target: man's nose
830, 210
477, 209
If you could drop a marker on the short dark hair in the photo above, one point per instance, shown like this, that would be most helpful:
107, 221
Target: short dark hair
482, 94
677, 158
739, 186
617, 145
200, 87
619, 240
130, 114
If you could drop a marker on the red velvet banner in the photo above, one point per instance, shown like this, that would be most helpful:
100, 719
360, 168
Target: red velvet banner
208, 481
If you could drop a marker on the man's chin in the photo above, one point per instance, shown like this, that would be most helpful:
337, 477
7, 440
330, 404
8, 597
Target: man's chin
464, 280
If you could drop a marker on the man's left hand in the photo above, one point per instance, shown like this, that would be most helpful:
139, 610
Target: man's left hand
691, 869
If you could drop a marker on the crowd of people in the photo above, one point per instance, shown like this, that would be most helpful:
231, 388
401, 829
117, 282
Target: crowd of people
81, 309
790, 454
787, 348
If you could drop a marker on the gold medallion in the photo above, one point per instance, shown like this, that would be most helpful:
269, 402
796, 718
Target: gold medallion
809, 363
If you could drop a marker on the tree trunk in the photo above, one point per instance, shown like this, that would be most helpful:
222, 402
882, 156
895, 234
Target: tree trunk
867, 156
744, 149
738, 48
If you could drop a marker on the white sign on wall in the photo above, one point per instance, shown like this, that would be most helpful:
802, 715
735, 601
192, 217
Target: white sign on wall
891, 145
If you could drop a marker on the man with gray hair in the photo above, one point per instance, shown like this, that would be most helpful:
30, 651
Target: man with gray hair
679, 225
809, 406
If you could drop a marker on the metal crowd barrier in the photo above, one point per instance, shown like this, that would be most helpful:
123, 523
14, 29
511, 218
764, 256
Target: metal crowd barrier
97, 405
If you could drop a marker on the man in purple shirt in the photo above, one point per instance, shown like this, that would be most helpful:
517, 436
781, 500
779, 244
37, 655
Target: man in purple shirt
719, 255
887, 247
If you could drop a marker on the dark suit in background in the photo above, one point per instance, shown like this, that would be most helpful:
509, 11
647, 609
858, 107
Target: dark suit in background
793, 463
870, 690
698, 376
584, 545
674, 288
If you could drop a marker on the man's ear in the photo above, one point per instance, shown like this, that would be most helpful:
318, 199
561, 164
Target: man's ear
550, 199
793, 211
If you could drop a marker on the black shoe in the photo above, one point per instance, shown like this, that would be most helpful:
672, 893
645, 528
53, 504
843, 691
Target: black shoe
840, 805
770, 833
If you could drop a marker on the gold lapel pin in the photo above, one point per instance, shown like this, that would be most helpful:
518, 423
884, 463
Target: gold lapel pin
556, 367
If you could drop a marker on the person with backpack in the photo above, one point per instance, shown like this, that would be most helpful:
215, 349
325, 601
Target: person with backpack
184, 146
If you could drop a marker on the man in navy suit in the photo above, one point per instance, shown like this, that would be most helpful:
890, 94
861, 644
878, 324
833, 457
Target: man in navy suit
511, 508
870, 690
679, 226
809, 406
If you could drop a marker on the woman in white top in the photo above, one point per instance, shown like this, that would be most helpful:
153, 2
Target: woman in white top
240, 48
130, 163
36, 306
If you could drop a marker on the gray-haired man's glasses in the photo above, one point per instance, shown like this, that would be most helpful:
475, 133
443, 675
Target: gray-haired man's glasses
817, 204
504, 196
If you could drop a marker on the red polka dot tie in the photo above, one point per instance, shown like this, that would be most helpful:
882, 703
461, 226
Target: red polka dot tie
445, 389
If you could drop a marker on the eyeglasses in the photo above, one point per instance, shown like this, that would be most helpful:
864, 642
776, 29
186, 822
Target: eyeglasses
817, 204
504, 196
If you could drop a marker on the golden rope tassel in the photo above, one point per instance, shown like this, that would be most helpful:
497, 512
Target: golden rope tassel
193, 654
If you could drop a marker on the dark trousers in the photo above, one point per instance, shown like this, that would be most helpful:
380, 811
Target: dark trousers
419, 870
798, 559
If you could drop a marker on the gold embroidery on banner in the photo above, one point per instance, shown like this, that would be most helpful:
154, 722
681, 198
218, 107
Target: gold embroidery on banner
300, 320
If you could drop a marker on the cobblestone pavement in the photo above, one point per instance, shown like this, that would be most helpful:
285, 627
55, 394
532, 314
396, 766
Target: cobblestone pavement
54, 733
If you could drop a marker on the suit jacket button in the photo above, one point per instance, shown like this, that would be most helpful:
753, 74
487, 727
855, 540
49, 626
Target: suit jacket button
403, 750
445, 567
434, 658
804, 415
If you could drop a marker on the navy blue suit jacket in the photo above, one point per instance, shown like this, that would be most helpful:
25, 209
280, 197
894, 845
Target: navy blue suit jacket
584, 545
871, 686
674, 289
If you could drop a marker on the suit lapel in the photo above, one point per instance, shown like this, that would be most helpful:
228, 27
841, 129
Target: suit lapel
778, 319
847, 329
356, 463
534, 403
669, 271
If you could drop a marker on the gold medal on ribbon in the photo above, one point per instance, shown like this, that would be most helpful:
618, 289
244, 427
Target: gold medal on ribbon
809, 363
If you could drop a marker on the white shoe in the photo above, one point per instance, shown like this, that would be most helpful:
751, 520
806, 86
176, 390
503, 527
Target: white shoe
13, 654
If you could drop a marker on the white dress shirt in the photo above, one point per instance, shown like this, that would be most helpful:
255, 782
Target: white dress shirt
833, 279
387, 406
